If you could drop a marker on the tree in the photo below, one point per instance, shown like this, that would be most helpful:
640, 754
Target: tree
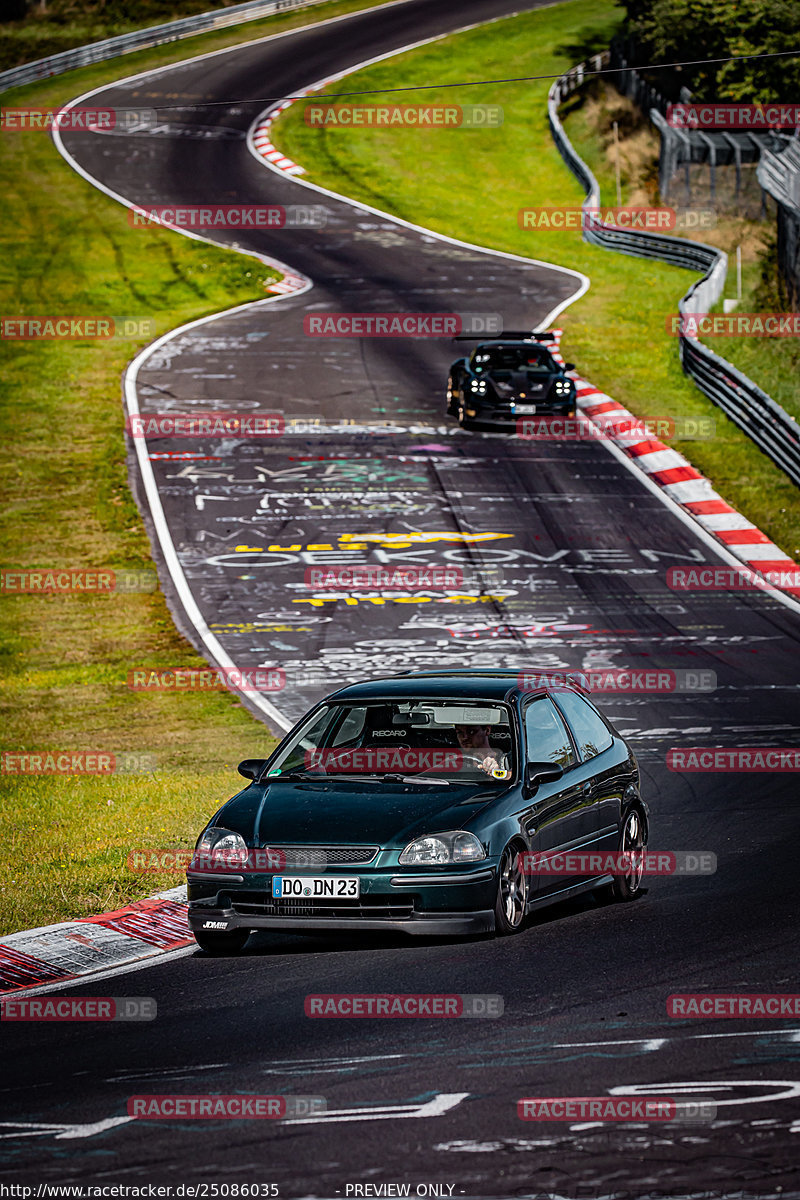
687, 30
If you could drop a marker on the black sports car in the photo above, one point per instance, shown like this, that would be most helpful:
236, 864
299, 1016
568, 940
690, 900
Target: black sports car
408, 803
508, 378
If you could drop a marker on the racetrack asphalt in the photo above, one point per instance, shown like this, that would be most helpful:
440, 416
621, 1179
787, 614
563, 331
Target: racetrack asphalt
560, 535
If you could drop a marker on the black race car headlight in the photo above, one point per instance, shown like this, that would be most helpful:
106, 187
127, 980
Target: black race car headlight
563, 387
478, 386
441, 848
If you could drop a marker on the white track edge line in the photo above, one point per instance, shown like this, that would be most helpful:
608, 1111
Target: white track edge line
275, 106
210, 641
685, 516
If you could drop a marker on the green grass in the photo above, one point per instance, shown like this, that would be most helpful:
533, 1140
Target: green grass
65, 248
61, 28
773, 362
67, 839
472, 184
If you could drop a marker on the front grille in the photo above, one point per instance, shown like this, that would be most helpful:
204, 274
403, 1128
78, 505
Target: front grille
260, 904
320, 856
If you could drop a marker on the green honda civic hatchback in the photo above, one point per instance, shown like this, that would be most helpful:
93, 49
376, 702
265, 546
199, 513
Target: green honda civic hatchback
431, 803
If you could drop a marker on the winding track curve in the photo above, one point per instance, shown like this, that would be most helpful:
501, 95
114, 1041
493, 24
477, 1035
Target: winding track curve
583, 547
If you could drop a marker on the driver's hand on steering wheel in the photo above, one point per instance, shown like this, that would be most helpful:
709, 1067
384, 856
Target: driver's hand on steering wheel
487, 764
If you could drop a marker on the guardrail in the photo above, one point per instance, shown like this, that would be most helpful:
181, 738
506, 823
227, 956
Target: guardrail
761, 417
142, 39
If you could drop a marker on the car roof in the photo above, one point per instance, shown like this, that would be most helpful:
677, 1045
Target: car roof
461, 684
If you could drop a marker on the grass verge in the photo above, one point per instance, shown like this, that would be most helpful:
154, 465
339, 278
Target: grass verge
473, 183
66, 248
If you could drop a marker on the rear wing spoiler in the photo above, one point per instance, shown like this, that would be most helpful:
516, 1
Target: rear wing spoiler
525, 335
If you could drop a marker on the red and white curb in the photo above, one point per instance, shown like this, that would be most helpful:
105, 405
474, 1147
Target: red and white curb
73, 949
289, 284
262, 142
676, 476
663, 466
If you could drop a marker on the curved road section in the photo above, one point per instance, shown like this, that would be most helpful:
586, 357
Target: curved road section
563, 554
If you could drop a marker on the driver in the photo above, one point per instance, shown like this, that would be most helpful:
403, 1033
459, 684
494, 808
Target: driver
474, 743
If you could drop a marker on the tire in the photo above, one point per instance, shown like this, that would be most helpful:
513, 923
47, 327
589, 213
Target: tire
633, 837
451, 412
219, 944
512, 894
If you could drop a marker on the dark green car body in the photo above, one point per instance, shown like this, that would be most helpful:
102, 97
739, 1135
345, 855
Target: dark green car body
362, 826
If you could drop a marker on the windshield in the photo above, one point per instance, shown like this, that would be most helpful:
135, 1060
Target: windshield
451, 741
513, 358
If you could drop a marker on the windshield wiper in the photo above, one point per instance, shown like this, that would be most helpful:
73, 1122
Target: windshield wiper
419, 778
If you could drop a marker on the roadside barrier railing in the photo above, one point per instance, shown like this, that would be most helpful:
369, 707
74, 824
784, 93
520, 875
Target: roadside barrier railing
761, 417
142, 39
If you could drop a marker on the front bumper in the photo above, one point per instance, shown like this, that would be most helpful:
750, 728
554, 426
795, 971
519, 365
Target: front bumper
446, 904
420, 924
504, 416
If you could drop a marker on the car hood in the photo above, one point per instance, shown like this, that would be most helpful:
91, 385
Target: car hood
513, 382
337, 812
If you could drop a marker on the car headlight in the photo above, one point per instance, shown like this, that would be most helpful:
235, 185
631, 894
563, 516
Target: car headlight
478, 385
563, 387
220, 848
439, 848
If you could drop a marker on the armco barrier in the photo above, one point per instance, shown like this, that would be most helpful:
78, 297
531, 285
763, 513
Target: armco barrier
143, 39
761, 418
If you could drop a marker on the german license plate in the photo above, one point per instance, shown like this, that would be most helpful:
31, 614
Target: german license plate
527, 410
315, 887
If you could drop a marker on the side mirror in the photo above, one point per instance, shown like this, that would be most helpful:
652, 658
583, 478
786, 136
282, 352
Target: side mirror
251, 768
541, 772
569, 366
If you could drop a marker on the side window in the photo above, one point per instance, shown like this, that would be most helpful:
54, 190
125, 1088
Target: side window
590, 730
546, 735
